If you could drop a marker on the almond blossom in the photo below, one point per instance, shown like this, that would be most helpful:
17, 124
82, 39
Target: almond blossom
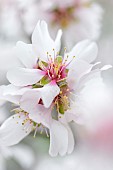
48, 92
79, 19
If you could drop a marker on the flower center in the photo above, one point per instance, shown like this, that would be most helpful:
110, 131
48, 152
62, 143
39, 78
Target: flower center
63, 16
56, 70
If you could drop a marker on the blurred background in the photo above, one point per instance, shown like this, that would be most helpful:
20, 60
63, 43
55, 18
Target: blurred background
93, 150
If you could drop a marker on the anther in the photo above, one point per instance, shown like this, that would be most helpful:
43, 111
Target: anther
60, 92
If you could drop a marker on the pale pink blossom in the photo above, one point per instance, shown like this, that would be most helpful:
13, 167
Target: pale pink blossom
50, 90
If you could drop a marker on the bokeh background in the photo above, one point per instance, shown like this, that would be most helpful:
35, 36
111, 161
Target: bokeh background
16, 24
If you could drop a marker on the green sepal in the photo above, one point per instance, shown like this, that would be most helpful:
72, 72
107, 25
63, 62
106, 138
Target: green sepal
37, 85
62, 84
39, 124
44, 80
34, 123
42, 64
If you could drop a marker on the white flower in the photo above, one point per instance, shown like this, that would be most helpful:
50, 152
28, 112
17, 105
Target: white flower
79, 19
48, 89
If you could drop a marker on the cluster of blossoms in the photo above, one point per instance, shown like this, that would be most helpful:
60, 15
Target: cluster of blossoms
47, 91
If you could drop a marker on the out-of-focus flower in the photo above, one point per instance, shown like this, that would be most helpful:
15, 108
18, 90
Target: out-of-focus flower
13, 17
79, 19
17, 153
50, 90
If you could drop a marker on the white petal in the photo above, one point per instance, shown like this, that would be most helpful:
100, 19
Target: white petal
42, 115
48, 93
58, 139
8, 97
85, 50
58, 40
78, 69
10, 89
23, 76
65, 119
43, 43
12, 131
70, 140
14, 90
37, 112
12, 99
91, 97
26, 54
30, 99
106, 67
93, 75
72, 115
